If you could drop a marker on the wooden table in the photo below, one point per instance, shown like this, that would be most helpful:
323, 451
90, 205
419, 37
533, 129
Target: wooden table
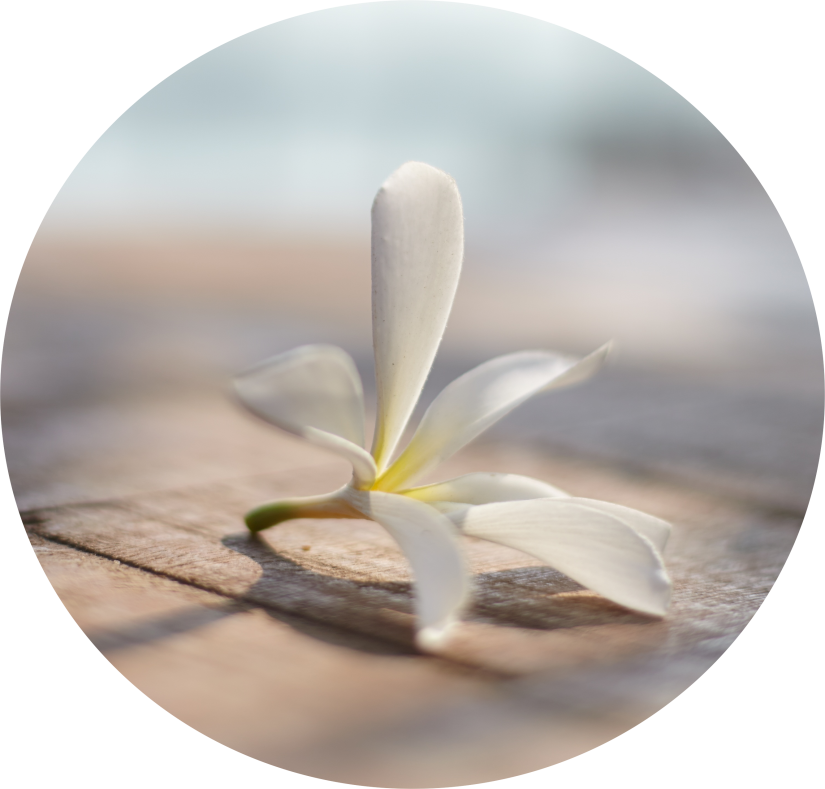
296, 648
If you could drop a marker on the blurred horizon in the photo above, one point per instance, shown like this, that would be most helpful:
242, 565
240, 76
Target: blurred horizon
294, 125
225, 217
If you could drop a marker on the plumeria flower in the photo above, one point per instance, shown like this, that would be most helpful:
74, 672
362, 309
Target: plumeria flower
315, 392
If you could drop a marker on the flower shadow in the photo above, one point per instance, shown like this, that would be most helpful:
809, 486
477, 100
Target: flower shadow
540, 598
379, 616
376, 617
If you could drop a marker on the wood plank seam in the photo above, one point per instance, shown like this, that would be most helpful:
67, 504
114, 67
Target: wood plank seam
241, 603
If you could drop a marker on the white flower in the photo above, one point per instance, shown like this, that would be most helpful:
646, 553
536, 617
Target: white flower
315, 392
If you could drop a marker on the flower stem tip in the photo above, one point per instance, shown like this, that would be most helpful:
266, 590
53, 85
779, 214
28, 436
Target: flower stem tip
268, 515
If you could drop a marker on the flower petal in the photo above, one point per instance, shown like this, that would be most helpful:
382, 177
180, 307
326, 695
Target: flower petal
583, 369
431, 544
314, 392
655, 529
478, 399
484, 488
417, 248
591, 546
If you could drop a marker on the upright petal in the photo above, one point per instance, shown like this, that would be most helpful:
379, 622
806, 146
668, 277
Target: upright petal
314, 392
478, 399
484, 487
431, 544
593, 547
417, 249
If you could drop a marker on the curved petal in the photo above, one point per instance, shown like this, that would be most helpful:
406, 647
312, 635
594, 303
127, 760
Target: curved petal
431, 544
583, 369
478, 399
655, 529
417, 248
484, 487
593, 547
314, 392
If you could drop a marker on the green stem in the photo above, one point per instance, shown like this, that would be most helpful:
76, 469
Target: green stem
330, 505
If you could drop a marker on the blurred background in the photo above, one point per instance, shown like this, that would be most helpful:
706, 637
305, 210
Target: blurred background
225, 218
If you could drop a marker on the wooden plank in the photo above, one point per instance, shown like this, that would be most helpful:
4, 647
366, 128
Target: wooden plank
526, 617
275, 688
316, 700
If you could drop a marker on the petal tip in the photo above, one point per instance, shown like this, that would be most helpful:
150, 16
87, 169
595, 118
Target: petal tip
434, 637
659, 607
416, 169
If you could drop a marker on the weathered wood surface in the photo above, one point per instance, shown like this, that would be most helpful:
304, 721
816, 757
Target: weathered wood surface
133, 472
336, 571
296, 647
